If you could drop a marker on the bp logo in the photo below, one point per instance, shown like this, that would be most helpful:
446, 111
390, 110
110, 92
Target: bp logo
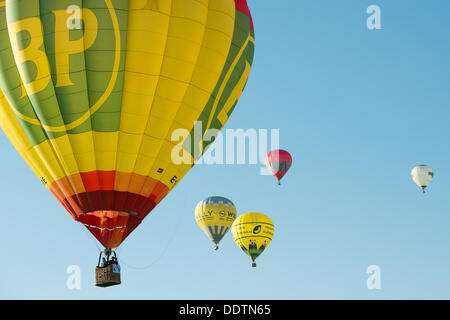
257, 229
52, 79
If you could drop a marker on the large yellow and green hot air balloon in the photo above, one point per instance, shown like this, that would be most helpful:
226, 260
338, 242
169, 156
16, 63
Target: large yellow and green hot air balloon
253, 232
92, 92
214, 216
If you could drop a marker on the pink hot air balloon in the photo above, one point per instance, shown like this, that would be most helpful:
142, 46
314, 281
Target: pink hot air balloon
279, 162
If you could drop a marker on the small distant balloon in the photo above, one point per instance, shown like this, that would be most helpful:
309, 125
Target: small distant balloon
422, 176
215, 215
279, 162
253, 232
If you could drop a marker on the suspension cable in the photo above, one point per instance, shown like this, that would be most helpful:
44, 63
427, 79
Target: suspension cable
169, 242
90, 237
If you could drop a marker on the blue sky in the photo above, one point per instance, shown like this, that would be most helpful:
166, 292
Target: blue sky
356, 108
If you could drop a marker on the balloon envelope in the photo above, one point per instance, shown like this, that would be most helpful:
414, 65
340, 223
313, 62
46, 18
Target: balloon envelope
422, 175
253, 232
214, 216
95, 92
278, 162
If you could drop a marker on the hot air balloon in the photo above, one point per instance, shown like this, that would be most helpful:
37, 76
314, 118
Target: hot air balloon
94, 91
214, 216
422, 176
278, 162
253, 232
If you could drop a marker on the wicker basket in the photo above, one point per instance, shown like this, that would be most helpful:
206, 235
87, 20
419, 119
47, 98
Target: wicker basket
107, 276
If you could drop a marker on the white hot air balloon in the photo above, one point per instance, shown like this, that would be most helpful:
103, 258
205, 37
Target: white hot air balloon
422, 176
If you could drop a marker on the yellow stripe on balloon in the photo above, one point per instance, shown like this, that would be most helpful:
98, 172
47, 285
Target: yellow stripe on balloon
15, 133
18, 139
228, 76
234, 97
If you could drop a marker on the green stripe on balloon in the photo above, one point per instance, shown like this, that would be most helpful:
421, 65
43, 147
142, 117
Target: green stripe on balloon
241, 33
11, 85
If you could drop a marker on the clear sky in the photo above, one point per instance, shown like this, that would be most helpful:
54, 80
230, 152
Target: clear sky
356, 108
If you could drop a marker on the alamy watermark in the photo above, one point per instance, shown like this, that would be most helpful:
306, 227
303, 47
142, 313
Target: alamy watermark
235, 146
374, 20
374, 280
74, 20
73, 282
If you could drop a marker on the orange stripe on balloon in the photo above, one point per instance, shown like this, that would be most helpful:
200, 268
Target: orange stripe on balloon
137, 183
122, 181
108, 181
69, 186
159, 192
148, 187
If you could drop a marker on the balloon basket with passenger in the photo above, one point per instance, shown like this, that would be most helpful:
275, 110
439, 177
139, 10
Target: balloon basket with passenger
107, 272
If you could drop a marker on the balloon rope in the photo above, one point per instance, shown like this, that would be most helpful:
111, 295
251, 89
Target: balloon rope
121, 260
90, 237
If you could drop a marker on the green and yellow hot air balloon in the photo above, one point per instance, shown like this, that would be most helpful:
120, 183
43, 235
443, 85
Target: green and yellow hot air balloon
214, 216
253, 232
101, 97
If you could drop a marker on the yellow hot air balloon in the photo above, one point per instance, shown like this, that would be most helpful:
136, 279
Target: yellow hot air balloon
253, 232
94, 92
214, 216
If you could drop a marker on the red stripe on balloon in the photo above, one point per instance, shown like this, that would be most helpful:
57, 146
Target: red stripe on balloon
279, 156
111, 225
113, 201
